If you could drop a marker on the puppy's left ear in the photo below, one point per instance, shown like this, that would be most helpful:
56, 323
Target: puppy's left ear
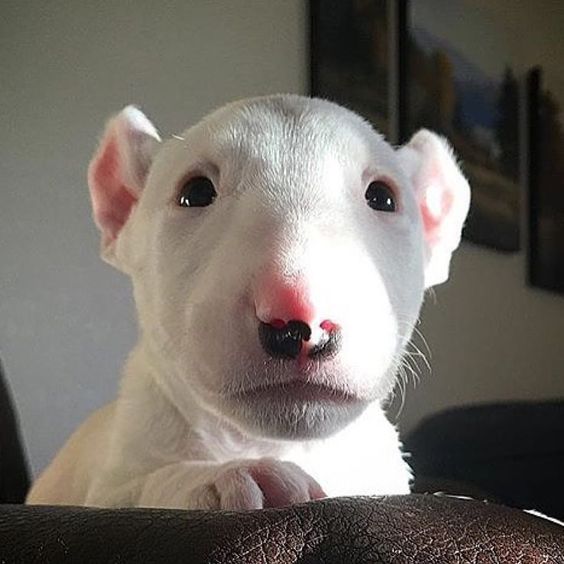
443, 195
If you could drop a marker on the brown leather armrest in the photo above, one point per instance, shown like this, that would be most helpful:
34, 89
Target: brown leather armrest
399, 529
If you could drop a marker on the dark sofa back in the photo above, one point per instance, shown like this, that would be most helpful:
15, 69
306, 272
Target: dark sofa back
14, 474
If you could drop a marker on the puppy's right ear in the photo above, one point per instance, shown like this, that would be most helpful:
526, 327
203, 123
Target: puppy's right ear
118, 171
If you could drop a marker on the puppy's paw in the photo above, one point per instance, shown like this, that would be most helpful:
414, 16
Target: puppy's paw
256, 484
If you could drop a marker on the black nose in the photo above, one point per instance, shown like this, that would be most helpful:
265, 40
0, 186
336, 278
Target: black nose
287, 341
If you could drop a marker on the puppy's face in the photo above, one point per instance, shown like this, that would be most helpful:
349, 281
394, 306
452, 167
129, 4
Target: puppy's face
279, 252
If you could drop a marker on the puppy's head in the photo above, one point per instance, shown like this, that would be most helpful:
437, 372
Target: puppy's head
279, 252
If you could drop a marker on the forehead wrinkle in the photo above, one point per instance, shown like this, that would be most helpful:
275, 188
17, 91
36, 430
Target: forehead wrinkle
275, 146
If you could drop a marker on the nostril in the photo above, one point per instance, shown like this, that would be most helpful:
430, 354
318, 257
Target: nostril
330, 343
299, 330
286, 340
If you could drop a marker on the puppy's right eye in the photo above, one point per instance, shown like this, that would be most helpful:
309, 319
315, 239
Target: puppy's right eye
198, 192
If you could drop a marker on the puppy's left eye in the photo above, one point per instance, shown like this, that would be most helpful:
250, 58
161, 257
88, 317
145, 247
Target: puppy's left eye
198, 192
379, 196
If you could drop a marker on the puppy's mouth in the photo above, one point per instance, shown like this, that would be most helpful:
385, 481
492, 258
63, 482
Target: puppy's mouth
299, 391
296, 409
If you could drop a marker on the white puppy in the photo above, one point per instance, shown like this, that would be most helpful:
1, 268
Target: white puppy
279, 252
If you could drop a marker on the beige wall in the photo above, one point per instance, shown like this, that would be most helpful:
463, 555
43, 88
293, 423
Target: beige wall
66, 318
490, 336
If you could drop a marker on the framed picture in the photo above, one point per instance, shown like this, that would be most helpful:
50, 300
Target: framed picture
545, 248
350, 56
470, 95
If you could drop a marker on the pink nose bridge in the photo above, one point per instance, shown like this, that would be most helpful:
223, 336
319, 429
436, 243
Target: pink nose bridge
278, 300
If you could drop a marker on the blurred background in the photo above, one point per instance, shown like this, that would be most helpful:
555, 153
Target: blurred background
67, 319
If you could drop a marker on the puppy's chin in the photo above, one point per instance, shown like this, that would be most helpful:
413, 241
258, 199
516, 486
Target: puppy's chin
293, 412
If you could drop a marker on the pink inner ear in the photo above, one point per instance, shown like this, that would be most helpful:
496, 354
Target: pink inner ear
435, 212
112, 200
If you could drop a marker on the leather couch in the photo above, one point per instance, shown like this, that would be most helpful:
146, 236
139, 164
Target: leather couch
400, 530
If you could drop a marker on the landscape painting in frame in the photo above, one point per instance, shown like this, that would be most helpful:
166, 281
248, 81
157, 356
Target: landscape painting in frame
546, 183
349, 56
469, 94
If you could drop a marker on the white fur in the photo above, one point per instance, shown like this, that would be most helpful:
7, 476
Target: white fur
191, 427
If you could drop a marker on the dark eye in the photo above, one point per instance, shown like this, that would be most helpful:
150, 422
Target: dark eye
379, 196
198, 192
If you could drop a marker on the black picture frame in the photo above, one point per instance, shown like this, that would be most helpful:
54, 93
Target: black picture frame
545, 180
350, 64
